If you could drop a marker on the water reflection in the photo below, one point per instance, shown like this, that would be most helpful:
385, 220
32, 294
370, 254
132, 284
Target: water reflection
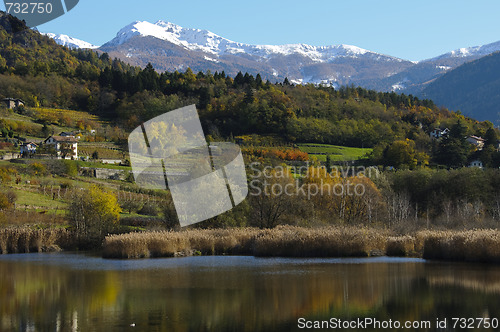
64, 292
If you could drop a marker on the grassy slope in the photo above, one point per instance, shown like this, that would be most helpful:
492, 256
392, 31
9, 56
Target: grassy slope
38, 200
336, 152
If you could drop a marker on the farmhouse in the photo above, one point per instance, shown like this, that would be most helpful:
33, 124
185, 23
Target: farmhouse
13, 103
69, 134
65, 147
476, 141
476, 163
438, 133
28, 148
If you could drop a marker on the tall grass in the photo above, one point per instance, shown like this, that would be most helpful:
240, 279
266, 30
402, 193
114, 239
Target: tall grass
291, 241
480, 245
404, 245
26, 239
320, 242
285, 241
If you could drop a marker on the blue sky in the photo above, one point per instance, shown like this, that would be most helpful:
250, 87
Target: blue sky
409, 29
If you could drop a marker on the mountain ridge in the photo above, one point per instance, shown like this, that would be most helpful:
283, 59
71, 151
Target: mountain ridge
169, 46
71, 42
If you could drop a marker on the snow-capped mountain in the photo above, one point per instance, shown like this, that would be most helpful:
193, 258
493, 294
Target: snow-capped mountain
171, 47
209, 42
468, 52
70, 42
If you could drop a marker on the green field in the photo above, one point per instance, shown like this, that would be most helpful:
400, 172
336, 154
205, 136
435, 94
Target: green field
336, 152
38, 200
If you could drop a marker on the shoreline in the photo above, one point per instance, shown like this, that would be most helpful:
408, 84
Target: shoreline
478, 245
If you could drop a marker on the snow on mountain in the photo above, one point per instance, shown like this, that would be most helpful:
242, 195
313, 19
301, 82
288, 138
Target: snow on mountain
209, 42
70, 42
476, 51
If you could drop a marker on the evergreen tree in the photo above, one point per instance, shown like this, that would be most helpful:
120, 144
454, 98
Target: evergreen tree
258, 81
204, 98
328, 164
249, 95
458, 131
46, 130
491, 137
239, 80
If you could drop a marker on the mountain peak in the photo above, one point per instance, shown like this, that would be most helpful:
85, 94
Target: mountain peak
70, 42
209, 42
469, 52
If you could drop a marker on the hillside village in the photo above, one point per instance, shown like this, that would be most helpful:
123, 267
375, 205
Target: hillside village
64, 145
475, 141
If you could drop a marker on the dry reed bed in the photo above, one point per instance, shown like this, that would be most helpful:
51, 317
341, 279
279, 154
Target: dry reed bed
404, 245
289, 241
479, 245
26, 239
285, 241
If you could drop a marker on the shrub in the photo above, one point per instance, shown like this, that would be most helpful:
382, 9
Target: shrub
6, 174
4, 202
37, 169
149, 209
71, 167
62, 167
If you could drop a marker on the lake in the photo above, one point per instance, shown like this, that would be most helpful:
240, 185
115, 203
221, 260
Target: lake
79, 292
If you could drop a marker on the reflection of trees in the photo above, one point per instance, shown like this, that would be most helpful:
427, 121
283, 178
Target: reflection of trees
249, 298
39, 295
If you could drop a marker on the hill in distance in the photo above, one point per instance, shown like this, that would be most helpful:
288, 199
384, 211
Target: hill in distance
472, 88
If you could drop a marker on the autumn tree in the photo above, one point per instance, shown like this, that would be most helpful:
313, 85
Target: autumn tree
272, 196
401, 154
93, 213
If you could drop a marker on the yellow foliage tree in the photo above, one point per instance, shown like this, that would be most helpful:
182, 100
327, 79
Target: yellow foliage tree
93, 213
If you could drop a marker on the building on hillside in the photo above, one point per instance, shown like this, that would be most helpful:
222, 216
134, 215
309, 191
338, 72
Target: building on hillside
13, 103
70, 134
64, 147
476, 141
437, 133
476, 163
28, 149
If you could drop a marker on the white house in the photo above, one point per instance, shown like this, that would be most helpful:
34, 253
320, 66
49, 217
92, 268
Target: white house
477, 141
476, 163
65, 147
28, 148
438, 133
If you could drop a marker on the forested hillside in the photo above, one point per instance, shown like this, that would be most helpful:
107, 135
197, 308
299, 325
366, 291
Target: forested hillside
44, 74
472, 88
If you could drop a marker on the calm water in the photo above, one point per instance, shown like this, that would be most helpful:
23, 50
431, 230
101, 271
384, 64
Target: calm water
66, 292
